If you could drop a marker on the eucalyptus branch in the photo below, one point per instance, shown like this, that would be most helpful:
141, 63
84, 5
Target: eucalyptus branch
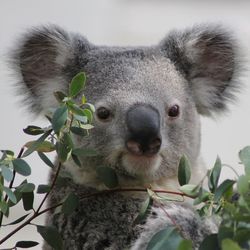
52, 186
11, 184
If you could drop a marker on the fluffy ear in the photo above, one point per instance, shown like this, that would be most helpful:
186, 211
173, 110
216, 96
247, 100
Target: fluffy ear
207, 56
45, 60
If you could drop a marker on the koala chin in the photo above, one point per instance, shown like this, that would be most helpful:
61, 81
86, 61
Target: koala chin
148, 105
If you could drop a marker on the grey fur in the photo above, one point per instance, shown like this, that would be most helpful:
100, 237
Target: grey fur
195, 69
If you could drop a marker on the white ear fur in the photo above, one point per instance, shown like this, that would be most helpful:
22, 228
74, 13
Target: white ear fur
209, 58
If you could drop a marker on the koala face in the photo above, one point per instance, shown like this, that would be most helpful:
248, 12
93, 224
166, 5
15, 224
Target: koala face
148, 99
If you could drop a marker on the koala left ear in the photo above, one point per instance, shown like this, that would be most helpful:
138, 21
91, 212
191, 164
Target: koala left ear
207, 56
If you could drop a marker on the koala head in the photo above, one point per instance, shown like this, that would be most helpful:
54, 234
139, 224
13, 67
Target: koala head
148, 99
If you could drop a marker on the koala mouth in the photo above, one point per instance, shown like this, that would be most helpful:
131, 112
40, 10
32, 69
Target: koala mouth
141, 165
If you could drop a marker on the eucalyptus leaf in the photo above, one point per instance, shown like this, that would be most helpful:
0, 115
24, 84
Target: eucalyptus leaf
210, 243
45, 146
190, 190
144, 210
63, 151
4, 208
26, 244
244, 156
21, 167
77, 84
84, 152
168, 238
214, 175
51, 236
26, 188
108, 176
6, 173
10, 194
243, 184
60, 96
45, 159
70, 204
36, 143
78, 131
89, 114
17, 220
33, 130
228, 244
42, 189
222, 189
184, 172
185, 245
59, 118
28, 200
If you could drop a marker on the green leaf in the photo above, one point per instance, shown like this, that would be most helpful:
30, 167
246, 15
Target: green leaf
36, 143
59, 118
244, 156
76, 110
21, 167
89, 114
190, 190
6, 173
87, 126
77, 84
63, 151
33, 130
144, 210
84, 152
4, 208
243, 184
185, 245
214, 175
10, 194
168, 238
184, 172
108, 176
224, 233
222, 189
26, 188
8, 152
78, 131
66, 139
76, 160
28, 200
80, 118
92, 107
44, 146
26, 244
18, 196
228, 244
45, 159
210, 243
60, 96
70, 204
17, 220
42, 189
51, 236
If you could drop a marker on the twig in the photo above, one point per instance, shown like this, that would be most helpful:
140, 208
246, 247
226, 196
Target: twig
52, 186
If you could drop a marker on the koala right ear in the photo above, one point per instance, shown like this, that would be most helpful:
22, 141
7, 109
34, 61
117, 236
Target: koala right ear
46, 59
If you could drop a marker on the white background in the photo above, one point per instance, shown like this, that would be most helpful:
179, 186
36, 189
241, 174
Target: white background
121, 22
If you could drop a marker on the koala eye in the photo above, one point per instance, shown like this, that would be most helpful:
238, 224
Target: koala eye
174, 111
103, 113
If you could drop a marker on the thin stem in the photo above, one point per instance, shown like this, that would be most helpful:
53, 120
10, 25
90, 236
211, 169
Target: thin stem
11, 184
228, 166
52, 186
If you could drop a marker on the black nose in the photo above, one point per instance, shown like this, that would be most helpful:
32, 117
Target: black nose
143, 122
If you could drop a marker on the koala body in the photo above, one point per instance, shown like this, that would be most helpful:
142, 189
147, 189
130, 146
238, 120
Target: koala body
148, 104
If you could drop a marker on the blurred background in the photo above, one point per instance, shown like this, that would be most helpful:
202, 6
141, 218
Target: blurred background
120, 22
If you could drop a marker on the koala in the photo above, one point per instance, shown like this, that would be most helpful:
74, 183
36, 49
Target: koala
148, 105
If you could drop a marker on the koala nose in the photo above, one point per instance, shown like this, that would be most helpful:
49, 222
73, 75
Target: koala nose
143, 122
